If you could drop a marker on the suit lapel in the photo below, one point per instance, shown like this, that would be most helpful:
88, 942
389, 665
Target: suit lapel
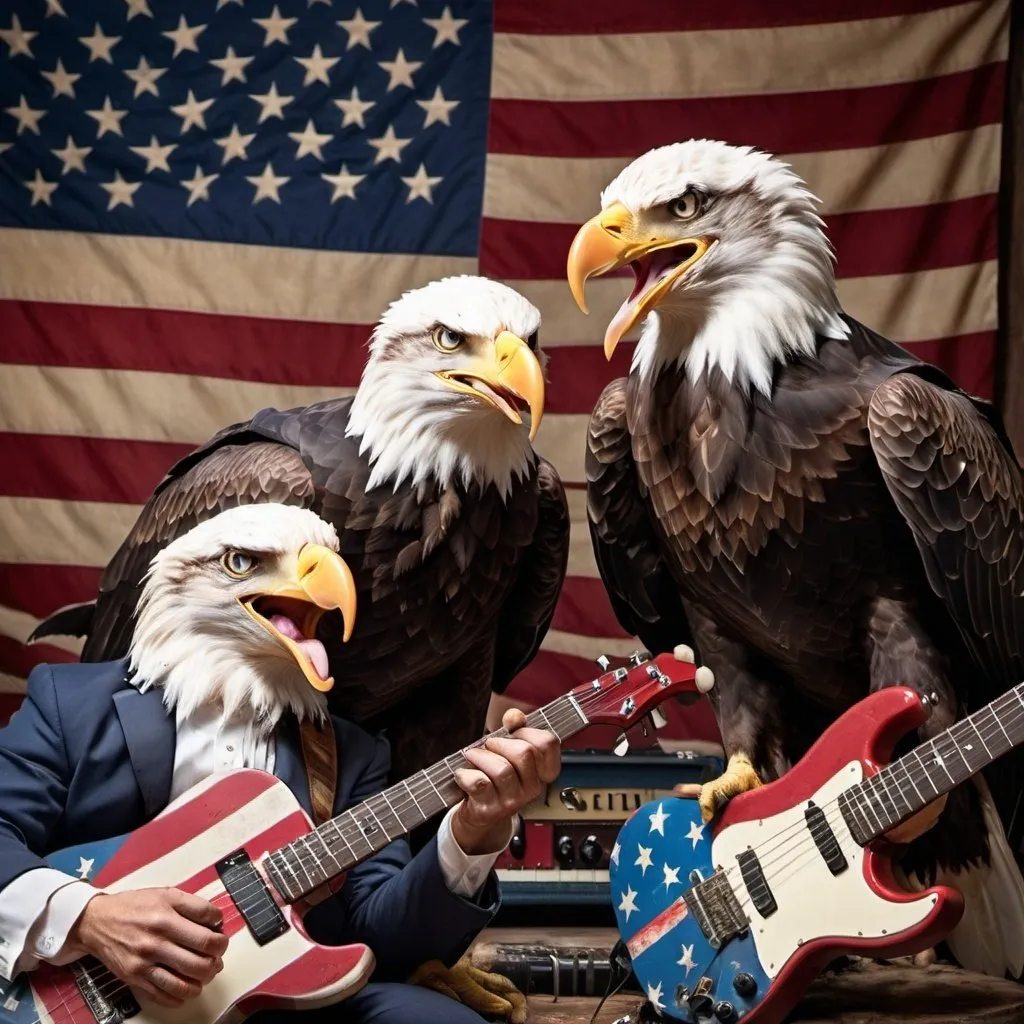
149, 733
288, 764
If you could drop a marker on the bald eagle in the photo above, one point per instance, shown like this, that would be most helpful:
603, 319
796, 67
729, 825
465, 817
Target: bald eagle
817, 510
456, 531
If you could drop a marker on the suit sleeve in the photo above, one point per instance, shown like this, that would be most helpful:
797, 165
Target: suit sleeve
398, 905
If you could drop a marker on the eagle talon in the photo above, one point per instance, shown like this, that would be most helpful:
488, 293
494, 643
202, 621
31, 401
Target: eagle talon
738, 777
491, 995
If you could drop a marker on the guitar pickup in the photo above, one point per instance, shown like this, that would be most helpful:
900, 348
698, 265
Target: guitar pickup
825, 839
757, 885
250, 894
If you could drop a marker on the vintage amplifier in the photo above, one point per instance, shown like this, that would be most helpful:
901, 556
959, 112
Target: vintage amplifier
563, 840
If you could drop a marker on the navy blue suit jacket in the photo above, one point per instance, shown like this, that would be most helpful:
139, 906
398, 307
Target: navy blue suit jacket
89, 757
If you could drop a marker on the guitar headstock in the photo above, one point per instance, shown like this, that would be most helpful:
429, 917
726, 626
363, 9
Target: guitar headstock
630, 689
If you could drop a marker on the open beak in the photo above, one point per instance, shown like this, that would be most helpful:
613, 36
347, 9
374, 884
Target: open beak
611, 240
512, 381
292, 611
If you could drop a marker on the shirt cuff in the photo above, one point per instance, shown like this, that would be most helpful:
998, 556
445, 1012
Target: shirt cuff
37, 910
463, 873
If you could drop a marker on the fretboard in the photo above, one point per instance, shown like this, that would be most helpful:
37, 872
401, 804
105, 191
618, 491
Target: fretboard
879, 803
358, 833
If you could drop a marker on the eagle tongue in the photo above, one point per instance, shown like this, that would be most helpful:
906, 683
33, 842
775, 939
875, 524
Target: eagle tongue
314, 650
286, 627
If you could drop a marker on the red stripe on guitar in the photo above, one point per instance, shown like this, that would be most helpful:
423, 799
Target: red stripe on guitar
655, 930
789, 123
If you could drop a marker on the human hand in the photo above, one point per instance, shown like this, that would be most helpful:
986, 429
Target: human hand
160, 942
507, 774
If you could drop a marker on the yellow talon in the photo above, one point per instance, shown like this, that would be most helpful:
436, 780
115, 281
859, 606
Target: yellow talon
738, 777
488, 994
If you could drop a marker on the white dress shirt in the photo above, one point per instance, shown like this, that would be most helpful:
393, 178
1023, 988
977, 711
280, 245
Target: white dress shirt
39, 908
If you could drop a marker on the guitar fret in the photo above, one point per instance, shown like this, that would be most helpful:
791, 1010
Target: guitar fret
408, 789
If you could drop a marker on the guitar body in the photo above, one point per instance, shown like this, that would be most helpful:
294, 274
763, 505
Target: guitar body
241, 810
819, 914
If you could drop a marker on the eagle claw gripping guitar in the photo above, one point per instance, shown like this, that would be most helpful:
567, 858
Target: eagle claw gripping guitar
242, 841
733, 926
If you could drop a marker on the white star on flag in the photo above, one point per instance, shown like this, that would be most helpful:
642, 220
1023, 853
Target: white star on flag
85, 866
224, 3
54, 7
643, 862
99, 45
72, 156
358, 29
628, 904
63, 83
232, 66
108, 119
654, 995
696, 833
317, 66
686, 960
267, 185
344, 183
198, 186
421, 185
185, 36
671, 876
437, 108
271, 102
446, 28
192, 112
275, 27
120, 191
140, 7
145, 77
658, 819
388, 146
17, 38
155, 155
354, 109
235, 145
28, 118
309, 141
41, 189
400, 70
614, 856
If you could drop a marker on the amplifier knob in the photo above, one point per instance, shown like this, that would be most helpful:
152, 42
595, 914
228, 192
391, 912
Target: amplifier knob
564, 851
745, 985
517, 844
590, 850
724, 1012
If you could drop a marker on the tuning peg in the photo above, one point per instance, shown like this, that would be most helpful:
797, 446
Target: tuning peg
603, 662
621, 745
639, 657
572, 800
705, 679
683, 652
657, 718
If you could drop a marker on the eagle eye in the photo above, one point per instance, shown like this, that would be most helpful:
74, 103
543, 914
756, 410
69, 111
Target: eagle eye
239, 564
445, 339
686, 206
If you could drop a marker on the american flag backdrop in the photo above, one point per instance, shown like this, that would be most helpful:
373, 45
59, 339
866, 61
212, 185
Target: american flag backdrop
204, 204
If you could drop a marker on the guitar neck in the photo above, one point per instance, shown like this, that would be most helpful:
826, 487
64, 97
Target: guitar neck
902, 788
360, 832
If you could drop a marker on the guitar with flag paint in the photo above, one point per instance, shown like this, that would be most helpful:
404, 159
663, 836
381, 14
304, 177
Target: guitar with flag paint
241, 841
731, 922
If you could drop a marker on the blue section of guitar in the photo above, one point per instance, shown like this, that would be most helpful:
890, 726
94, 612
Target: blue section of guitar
658, 848
84, 862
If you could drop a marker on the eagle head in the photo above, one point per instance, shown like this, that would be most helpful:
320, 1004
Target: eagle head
731, 264
453, 387
229, 610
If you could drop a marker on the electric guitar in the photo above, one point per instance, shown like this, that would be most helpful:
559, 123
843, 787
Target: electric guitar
731, 922
243, 842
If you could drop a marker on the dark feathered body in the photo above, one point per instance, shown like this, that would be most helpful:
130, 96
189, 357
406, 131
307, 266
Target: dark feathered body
456, 586
766, 529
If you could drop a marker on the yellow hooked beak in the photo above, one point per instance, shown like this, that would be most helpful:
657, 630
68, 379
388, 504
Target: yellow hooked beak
510, 380
611, 240
292, 611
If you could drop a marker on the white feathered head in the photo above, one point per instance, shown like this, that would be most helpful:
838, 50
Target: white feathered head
731, 264
229, 611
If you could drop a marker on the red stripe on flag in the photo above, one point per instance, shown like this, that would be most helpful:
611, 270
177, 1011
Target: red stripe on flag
970, 359
777, 122
593, 17
41, 589
9, 703
897, 241
16, 659
584, 608
657, 929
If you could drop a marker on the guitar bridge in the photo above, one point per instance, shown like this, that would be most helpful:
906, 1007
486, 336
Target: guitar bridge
716, 909
108, 1003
